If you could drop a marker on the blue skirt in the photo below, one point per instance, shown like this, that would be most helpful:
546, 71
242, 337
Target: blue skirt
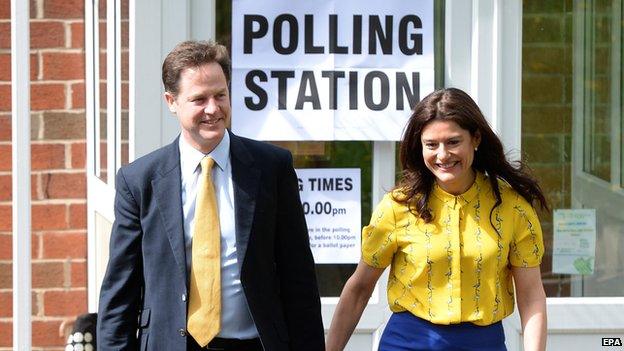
406, 332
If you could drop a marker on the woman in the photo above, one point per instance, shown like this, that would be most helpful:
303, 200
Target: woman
456, 230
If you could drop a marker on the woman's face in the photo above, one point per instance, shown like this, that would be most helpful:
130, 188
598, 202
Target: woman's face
448, 152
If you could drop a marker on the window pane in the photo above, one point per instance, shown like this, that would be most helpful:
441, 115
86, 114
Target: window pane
556, 92
336, 154
547, 113
598, 75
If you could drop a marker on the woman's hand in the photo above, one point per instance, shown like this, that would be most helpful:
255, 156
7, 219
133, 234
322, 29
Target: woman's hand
353, 300
532, 306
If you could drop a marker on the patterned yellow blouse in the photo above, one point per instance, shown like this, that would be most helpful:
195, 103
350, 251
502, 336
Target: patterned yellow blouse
457, 267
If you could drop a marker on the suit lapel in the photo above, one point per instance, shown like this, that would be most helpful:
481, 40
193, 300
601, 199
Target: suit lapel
246, 179
169, 200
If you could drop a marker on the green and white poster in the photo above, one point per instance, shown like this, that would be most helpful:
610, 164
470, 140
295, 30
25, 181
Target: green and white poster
574, 245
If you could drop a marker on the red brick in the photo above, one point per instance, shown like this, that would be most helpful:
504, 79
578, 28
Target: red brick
78, 216
78, 155
125, 153
6, 218
102, 33
102, 65
34, 12
5, 35
78, 95
37, 310
6, 334
64, 303
64, 185
36, 125
79, 274
6, 154
46, 333
34, 246
125, 35
48, 275
103, 97
5, 128
49, 217
64, 125
102, 8
35, 185
47, 34
5, 67
6, 187
47, 156
6, 304
6, 273
5, 97
125, 97
77, 35
63, 65
45, 96
64, 245
5, 9
125, 9
63, 9
6, 246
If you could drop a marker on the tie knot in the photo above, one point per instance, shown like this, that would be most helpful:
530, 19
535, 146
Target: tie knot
207, 163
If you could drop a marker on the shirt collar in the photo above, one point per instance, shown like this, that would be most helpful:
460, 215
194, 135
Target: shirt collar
191, 157
467, 196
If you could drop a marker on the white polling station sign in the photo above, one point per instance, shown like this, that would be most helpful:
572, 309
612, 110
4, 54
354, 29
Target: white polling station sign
332, 207
328, 69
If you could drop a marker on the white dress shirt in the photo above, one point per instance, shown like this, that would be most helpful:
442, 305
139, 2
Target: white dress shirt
236, 321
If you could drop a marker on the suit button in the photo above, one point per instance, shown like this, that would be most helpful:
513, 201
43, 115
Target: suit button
182, 332
184, 297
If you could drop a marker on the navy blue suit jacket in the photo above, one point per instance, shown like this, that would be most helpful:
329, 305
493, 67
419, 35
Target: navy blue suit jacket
143, 300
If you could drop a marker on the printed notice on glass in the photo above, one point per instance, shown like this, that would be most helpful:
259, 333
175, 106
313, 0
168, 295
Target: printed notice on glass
574, 244
331, 204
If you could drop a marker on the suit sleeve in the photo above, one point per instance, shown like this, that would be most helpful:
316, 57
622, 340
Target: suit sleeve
120, 295
295, 267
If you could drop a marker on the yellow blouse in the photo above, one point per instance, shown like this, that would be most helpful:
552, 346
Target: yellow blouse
457, 267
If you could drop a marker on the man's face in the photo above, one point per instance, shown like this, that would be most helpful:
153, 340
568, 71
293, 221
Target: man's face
202, 105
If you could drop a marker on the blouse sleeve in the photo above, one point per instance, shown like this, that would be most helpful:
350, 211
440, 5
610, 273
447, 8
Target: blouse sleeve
528, 242
379, 237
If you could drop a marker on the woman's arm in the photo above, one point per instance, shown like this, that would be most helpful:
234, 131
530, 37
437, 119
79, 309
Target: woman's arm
353, 299
532, 306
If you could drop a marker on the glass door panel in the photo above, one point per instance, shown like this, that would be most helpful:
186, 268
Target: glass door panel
571, 129
337, 154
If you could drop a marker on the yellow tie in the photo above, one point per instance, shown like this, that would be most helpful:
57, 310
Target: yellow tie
204, 311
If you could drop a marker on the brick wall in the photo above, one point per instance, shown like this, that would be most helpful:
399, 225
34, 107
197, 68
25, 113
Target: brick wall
59, 238
547, 112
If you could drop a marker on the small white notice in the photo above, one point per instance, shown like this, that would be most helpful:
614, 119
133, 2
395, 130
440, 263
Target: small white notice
574, 245
331, 204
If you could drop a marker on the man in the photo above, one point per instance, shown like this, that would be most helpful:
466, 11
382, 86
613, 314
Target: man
166, 288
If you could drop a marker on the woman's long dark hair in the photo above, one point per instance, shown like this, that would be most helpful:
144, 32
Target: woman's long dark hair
453, 104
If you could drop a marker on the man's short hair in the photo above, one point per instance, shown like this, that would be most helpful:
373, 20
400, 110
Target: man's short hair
190, 54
